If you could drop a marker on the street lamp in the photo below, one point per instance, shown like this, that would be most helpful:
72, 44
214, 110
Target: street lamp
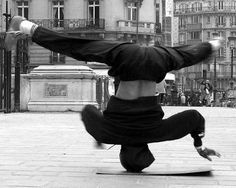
215, 78
232, 41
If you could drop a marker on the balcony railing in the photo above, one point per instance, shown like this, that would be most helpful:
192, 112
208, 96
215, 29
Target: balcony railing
71, 23
131, 26
210, 75
197, 26
208, 9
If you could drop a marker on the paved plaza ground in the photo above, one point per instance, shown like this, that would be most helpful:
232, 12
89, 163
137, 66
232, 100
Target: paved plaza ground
53, 150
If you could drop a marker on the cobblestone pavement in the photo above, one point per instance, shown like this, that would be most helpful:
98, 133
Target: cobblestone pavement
53, 150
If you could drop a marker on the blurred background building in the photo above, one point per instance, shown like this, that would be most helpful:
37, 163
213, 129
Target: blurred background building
122, 20
201, 20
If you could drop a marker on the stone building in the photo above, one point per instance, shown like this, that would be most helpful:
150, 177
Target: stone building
122, 20
200, 20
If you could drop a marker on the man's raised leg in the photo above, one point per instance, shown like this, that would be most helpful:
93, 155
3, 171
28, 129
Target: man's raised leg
72, 46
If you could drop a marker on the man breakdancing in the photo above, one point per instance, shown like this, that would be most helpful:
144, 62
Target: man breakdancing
133, 118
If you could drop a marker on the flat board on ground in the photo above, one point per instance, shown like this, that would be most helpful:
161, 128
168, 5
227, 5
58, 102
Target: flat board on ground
201, 170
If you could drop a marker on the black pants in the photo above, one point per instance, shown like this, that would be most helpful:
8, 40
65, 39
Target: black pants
134, 132
138, 121
135, 123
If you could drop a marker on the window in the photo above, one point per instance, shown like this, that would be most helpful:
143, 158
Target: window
195, 19
93, 12
233, 21
194, 35
197, 6
23, 8
234, 5
208, 67
221, 34
57, 58
58, 13
182, 38
132, 11
220, 5
182, 22
183, 7
221, 52
208, 35
208, 19
220, 20
233, 33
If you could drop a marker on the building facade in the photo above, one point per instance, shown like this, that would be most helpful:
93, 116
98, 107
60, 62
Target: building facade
202, 20
122, 20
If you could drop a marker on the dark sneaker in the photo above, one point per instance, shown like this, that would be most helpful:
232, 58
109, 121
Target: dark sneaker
13, 33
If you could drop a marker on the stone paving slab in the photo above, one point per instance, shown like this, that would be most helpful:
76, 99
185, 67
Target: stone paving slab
53, 150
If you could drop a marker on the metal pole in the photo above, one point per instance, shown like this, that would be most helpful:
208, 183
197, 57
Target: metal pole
7, 71
215, 81
231, 75
17, 75
1, 73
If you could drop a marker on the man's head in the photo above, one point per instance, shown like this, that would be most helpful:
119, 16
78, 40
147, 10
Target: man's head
136, 158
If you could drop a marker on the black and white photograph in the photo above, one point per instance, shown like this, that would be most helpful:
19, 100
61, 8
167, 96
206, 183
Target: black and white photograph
117, 93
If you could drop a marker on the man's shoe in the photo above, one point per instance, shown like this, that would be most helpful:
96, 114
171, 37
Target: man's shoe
13, 33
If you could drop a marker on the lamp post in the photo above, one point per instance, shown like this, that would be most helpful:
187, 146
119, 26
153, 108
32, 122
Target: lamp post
7, 70
215, 78
232, 41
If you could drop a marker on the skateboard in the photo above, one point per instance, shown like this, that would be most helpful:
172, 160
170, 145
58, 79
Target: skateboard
173, 171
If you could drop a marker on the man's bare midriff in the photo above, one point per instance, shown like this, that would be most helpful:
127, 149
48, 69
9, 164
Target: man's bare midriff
130, 90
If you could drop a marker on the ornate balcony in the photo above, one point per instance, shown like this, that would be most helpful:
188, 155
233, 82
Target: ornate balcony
71, 24
197, 27
131, 26
208, 9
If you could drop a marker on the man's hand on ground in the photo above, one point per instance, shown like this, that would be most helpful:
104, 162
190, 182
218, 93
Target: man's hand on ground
206, 152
